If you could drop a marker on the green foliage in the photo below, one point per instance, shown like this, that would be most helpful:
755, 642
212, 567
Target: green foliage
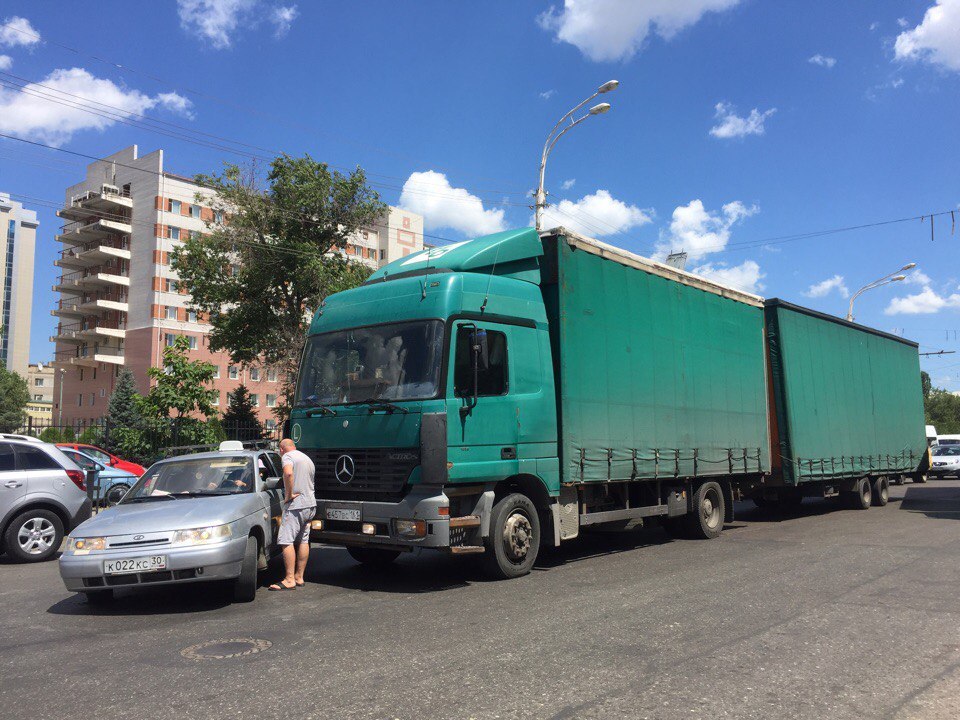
14, 396
92, 435
67, 435
925, 383
943, 411
260, 275
182, 385
240, 421
123, 411
51, 435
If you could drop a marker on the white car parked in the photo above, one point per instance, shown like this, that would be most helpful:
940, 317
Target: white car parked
945, 461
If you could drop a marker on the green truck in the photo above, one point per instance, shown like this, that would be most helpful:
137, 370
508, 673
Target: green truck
502, 394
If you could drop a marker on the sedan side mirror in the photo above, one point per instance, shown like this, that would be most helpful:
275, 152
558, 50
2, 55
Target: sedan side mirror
272, 483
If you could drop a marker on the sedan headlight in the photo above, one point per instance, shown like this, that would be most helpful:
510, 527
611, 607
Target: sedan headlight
85, 545
203, 536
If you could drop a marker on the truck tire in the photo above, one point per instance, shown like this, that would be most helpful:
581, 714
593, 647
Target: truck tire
373, 557
33, 536
861, 496
514, 539
705, 521
881, 491
919, 478
245, 586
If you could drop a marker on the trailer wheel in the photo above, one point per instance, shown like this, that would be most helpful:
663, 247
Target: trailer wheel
861, 496
705, 521
898, 479
514, 539
881, 491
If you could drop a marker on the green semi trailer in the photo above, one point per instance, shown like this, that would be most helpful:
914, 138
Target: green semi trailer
502, 394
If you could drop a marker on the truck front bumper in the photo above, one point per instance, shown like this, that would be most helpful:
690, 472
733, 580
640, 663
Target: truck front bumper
422, 503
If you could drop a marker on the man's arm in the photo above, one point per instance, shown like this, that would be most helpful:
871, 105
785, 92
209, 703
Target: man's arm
288, 495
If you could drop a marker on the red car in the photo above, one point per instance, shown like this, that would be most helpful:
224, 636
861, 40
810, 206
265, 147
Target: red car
106, 458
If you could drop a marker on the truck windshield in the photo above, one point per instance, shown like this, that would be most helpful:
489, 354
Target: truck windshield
397, 361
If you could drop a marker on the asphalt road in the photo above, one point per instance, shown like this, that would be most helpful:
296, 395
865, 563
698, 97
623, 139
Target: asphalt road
826, 614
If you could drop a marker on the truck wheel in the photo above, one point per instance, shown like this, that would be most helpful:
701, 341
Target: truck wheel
33, 536
705, 521
861, 496
373, 557
514, 537
919, 478
99, 597
881, 491
898, 479
245, 586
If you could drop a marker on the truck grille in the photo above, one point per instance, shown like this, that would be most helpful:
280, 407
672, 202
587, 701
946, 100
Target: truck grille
379, 474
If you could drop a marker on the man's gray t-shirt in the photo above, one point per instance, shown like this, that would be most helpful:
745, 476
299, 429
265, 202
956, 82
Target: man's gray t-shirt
303, 471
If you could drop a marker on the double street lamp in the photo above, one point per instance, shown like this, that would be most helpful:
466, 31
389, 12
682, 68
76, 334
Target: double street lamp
885, 280
554, 136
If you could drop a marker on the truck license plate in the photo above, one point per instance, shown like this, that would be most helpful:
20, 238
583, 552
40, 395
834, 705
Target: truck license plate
134, 565
350, 514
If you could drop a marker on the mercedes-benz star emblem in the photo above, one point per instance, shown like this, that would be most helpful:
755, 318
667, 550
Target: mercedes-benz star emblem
344, 469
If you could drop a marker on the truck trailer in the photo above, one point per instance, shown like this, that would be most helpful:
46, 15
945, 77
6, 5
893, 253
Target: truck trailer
505, 393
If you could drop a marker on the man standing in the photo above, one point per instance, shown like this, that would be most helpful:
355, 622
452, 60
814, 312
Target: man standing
300, 506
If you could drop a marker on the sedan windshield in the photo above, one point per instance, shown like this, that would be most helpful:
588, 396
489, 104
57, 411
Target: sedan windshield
226, 475
947, 450
399, 361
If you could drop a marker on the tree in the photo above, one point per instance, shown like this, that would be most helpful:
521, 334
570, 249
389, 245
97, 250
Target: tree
240, 421
123, 411
943, 411
925, 383
260, 275
14, 395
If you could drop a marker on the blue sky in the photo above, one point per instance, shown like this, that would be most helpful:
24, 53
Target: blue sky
736, 121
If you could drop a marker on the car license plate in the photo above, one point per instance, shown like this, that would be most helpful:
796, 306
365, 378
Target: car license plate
350, 514
134, 565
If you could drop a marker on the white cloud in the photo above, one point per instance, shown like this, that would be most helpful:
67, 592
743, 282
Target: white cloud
33, 117
822, 289
936, 39
698, 232
902, 22
567, 184
547, 94
6, 62
16, 31
918, 277
874, 25
176, 104
823, 60
925, 302
444, 206
731, 125
606, 30
282, 19
597, 215
218, 21
746, 276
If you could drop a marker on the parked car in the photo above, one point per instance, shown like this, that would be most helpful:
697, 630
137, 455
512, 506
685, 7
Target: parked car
43, 494
110, 484
948, 440
101, 455
194, 518
945, 461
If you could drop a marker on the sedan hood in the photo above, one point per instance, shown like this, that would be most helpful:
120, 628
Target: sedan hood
164, 515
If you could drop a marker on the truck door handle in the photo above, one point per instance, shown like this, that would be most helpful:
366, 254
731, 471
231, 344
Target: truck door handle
508, 453
13, 484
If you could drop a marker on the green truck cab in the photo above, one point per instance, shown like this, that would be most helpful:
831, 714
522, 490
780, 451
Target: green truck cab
497, 395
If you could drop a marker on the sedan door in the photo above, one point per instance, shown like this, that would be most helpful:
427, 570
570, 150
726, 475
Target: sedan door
13, 482
268, 467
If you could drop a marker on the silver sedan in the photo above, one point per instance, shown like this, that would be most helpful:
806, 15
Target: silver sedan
194, 518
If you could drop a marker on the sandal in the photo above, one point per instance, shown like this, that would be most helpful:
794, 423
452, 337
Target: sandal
280, 587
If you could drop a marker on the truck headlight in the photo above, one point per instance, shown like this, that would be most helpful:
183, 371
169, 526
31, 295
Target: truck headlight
409, 528
85, 545
203, 536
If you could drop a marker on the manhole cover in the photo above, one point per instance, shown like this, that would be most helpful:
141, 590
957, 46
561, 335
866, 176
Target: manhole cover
225, 649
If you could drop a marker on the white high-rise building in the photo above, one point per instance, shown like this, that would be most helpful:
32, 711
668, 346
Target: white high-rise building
18, 239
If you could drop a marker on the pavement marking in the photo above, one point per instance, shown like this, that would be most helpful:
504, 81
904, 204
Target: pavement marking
225, 649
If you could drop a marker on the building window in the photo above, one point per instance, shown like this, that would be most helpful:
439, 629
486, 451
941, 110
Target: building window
383, 254
272, 375
255, 374
174, 233
218, 216
175, 206
38, 397
93, 398
271, 424
232, 372
216, 400
169, 339
271, 400
254, 400
171, 313
191, 316
195, 211
79, 399
38, 382
216, 373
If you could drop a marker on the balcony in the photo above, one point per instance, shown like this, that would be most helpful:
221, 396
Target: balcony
68, 334
89, 257
89, 281
69, 307
96, 306
89, 356
96, 330
108, 200
96, 230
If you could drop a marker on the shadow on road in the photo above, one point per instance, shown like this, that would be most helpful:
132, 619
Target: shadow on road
170, 600
939, 502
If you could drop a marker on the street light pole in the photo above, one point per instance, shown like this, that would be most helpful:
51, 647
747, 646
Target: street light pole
885, 280
541, 194
60, 402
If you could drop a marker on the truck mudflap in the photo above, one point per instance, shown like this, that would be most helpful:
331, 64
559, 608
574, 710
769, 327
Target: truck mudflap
421, 519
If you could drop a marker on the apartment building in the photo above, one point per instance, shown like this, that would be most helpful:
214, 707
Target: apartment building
40, 384
119, 302
18, 238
